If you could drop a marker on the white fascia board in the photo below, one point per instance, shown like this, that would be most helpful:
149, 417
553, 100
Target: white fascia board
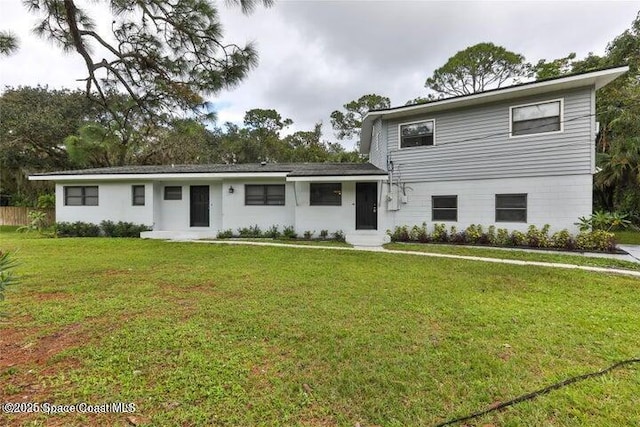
337, 178
597, 79
157, 176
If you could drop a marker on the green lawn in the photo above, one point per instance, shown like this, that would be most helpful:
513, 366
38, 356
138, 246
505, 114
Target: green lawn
203, 334
628, 237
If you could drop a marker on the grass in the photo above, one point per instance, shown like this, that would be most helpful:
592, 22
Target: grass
518, 255
628, 237
242, 335
314, 242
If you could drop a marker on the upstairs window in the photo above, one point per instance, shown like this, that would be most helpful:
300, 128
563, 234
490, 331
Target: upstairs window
444, 208
417, 134
81, 195
271, 195
137, 195
511, 208
536, 118
325, 194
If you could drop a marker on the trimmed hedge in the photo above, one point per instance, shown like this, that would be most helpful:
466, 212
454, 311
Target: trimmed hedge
598, 240
105, 229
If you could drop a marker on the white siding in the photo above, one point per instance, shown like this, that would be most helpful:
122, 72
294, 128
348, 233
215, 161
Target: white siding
114, 204
557, 201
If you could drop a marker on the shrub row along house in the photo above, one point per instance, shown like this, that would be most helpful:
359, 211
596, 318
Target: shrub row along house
512, 157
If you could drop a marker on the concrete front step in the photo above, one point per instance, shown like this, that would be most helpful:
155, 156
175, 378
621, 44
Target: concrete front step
367, 238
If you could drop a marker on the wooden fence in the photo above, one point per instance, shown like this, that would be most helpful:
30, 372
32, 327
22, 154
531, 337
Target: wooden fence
17, 215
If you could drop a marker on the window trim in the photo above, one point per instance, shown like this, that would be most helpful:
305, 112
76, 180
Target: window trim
312, 203
547, 101
440, 209
83, 196
526, 207
400, 147
265, 194
164, 192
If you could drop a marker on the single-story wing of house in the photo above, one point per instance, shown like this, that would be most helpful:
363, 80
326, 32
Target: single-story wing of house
198, 201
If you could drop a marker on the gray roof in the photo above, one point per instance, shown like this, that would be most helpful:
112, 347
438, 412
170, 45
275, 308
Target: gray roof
292, 169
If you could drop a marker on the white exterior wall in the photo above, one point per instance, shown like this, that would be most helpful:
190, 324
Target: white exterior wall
174, 215
114, 204
330, 218
235, 214
557, 200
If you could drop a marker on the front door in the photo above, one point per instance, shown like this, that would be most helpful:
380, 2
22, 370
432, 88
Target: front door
199, 205
366, 206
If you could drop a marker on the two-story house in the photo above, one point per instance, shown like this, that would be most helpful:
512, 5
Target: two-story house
510, 157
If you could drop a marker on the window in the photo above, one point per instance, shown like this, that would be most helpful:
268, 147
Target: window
137, 195
511, 208
173, 193
325, 194
536, 118
444, 208
272, 195
417, 134
81, 196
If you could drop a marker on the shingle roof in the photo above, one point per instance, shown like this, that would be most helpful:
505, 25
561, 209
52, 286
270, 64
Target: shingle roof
292, 169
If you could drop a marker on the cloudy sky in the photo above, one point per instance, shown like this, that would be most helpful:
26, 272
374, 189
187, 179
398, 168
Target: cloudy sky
317, 55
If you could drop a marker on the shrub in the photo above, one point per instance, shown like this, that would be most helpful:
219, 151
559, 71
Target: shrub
440, 233
474, 234
419, 234
272, 232
289, 232
599, 240
129, 229
77, 229
563, 239
400, 234
250, 232
308, 234
491, 235
225, 234
503, 238
538, 238
38, 221
339, 236
106, 228
325, 233
518, 238
601, 220
457, 238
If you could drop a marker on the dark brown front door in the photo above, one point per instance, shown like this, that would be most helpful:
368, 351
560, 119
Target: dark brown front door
366, 206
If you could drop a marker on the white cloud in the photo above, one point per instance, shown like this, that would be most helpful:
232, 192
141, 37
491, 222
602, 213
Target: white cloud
317, 55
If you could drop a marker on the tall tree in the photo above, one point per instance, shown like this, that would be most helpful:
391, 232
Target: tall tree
477, 68
347, 123
33, 125
164, 54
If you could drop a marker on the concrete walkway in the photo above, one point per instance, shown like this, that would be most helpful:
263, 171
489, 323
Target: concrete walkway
426, 254
632, 250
